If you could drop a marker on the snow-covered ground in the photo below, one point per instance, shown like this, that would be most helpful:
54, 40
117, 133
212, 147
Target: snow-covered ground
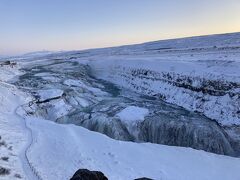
200, 74
8, 72
12, 133
59, 150
187, 84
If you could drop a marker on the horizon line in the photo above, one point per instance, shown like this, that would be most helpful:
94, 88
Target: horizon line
120, 45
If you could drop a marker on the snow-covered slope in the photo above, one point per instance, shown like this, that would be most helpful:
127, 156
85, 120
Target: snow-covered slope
12, 134
7, 72
42, 149
192, 85
70, 94
200, 73
59, 150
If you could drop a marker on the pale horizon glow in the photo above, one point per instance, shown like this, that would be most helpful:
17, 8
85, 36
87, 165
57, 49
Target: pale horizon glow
55, 25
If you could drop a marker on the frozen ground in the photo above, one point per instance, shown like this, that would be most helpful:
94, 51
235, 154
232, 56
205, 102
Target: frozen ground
13, 136
56, 151
59, 150
200, 74
78, 98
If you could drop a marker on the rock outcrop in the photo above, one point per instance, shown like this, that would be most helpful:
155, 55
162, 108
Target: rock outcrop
85, 174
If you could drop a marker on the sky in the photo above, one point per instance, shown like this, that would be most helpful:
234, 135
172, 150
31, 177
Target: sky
36, 25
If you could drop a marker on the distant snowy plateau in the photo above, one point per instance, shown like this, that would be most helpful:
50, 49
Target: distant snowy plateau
166, 110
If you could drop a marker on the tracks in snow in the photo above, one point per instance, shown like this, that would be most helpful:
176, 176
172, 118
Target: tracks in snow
30, 171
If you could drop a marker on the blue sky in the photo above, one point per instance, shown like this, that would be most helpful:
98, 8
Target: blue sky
79, 24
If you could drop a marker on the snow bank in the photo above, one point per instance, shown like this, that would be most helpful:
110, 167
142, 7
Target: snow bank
7, 72
198, 73
12, 133
196, 86
59, 150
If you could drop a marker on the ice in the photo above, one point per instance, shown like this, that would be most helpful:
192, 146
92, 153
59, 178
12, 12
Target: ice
47, 94
78, 83
72, 82
120, 113
55, 109
133, 114
194, 73
125, 93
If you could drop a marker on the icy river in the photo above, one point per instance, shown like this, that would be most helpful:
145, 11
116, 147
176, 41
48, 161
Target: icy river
66, 92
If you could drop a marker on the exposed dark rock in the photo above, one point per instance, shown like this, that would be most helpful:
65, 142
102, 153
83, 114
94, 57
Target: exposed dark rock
85, 174
18, 176
3, 143
4, 171
207, 136
4, 158
213, 87
47, 100
6, 63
